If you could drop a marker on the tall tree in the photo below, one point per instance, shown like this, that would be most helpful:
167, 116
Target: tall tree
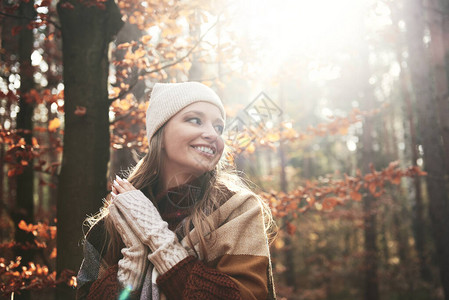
430, 136
410, 137
24, 209
371, 261
370, 231
86, 34
289, 252
435, 20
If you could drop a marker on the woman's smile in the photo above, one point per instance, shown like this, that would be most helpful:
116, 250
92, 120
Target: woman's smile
206, 151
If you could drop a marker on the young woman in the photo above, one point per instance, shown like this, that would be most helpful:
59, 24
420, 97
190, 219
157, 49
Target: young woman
181, 226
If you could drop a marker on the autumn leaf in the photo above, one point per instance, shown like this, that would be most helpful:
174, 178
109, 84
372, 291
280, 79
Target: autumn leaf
250, 149
170, 55
34, 142
329, 203
25, 227
343, 130
15, 171
54, 124
72, 282
310, 200
372, 187
115, 92
356, 196
396, 180
50, 37
291, 228
272, 137
146, 39
139, 53
80, 111
123, 45
53, 253
15, 30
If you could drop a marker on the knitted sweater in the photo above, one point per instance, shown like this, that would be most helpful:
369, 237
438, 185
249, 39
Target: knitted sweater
238, 265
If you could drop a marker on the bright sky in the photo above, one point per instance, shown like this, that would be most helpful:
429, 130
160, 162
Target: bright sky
314, 29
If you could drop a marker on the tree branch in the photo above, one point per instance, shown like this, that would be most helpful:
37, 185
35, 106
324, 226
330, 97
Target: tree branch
144, 72
31, 19
122, 116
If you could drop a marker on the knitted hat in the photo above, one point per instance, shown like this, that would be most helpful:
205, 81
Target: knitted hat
167, 99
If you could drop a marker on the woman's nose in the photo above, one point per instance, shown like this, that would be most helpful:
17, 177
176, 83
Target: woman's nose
210, 133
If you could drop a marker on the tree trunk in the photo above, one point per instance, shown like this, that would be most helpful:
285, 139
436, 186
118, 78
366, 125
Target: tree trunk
367, 156
24, 208
438, 53
371, 256
86, 34
289, 252
400, 233
196, 70
383, 238
430, 138
419, 224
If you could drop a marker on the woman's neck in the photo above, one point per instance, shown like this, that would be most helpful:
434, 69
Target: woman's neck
170, 181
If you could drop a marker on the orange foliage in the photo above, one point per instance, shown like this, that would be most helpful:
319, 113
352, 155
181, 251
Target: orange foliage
19, 154
39, 230
129, 125
17, 278
46, 96
54, 124
257, 135
326, 193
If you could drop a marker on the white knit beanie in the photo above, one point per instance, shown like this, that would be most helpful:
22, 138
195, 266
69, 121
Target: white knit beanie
167, 99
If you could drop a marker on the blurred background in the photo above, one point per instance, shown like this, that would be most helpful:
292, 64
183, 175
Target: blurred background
337, 111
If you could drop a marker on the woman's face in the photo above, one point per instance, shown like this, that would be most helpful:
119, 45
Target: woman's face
192, 142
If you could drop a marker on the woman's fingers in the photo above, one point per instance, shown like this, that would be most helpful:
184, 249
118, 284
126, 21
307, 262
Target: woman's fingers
121, 185
118, 187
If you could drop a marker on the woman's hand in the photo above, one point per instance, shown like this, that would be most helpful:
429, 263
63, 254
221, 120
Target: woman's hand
121, 186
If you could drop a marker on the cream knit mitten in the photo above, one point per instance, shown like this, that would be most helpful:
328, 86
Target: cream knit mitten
131, 268
146, 222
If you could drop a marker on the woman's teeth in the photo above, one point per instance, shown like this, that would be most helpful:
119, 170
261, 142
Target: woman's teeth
205, 150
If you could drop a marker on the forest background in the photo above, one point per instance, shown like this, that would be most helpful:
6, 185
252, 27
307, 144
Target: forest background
338, 112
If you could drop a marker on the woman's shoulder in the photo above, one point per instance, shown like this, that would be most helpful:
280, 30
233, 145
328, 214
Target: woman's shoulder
238, 199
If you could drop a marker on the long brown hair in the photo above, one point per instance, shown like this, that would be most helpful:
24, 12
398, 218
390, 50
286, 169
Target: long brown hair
215, 186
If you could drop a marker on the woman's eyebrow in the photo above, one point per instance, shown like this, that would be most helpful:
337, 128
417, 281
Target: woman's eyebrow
200, 113
195, 112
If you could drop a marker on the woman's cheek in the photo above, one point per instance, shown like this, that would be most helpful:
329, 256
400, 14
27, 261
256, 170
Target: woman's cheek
220, 146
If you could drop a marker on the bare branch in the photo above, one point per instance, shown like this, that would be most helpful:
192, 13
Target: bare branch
31, 19
123, 116
144, 72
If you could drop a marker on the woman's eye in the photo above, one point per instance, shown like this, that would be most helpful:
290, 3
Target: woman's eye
194, 120
219, 129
